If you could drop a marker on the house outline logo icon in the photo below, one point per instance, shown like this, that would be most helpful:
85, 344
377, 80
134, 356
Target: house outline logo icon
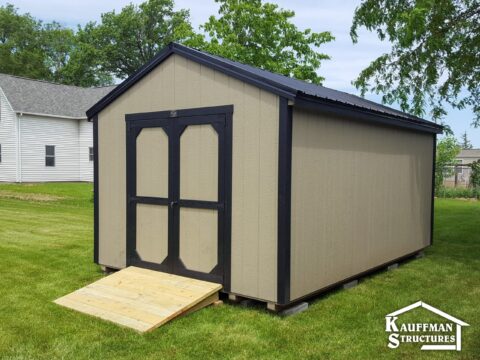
392, 328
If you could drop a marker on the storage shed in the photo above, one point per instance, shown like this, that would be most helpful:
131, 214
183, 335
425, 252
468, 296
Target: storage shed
273, 187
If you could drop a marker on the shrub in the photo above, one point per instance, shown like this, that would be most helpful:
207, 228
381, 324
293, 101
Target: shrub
447, 151
444, 192
475, 175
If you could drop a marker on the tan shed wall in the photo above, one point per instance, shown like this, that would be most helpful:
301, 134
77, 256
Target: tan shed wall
178, 84
361, 196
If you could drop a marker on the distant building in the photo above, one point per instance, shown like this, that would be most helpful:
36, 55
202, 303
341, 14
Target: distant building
44, 132
461, 175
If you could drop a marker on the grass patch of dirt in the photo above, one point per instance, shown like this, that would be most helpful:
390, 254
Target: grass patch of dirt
29, 196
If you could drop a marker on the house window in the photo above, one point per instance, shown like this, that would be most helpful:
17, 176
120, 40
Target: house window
90, 153
49, 155
459, 167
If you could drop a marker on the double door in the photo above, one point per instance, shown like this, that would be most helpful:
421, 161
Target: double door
178, 192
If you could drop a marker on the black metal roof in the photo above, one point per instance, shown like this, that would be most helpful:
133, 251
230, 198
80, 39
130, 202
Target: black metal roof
301, 92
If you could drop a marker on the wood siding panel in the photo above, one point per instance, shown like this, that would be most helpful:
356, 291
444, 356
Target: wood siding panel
198, 239
152, 232
152, 163
179, 83
199, 163
8, 140
360, 198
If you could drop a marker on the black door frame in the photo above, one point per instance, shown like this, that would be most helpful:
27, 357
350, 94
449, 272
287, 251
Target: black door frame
174, 123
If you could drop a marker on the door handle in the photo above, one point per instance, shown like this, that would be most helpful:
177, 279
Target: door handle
173, 203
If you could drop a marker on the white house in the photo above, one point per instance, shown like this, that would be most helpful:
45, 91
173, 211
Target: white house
461, 174
44, 132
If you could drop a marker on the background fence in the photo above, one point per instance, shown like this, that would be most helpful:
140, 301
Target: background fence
457, 175
458, 181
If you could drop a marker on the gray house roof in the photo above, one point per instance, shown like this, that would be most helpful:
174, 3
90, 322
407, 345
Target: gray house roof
469, 153
45, 98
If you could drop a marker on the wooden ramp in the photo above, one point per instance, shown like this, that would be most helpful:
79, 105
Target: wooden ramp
141, 299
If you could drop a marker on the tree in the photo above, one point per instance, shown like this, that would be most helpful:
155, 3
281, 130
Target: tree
262, 35
83, 67
20, 50
124, 42
447, 151
464, 142
475, 176
434, 60
69, 60
48, 51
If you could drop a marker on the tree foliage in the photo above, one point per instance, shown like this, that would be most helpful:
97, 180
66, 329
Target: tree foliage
263, 35
125, 41
447, 150
465, 143
434, 60
32, 49
20, 53
475, 175
250, 31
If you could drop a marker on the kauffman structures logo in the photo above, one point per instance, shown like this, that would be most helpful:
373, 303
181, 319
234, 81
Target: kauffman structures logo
446, 335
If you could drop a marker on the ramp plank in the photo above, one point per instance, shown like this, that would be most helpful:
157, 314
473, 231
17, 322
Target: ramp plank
141, 299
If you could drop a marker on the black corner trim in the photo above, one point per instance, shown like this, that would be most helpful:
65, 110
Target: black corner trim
227, 247
362, 114
95, 189
284, 202
432, 206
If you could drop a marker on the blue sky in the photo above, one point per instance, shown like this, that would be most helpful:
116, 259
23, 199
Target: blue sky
347, 61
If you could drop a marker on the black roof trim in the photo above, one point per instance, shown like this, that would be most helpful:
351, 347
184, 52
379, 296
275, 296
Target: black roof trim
310, 95
359, 113
229, 68
196, 56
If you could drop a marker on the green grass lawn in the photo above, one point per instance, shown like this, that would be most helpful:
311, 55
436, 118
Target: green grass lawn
46, 251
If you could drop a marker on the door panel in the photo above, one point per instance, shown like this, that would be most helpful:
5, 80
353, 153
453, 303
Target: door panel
179, 192
152, 163
199, 239
152, 232
199, 163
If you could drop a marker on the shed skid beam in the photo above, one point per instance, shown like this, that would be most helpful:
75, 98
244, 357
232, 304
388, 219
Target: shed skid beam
234, 298
295, 309
420, 255
107, 270
271, 306
350, 284
392, 266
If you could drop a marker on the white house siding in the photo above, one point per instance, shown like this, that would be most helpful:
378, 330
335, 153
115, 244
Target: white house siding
38, 131
463, 173
85, 129
8, 140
